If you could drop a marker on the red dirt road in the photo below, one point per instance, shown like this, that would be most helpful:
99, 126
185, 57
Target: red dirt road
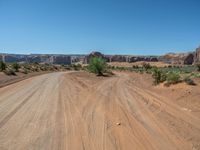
78, 111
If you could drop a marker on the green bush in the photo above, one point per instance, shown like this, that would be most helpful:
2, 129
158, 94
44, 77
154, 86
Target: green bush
196, 75
158, 76
146, 66
2, 66
169, 66
135, 66
9, 72
173, 78
25, 71
112, 67
77, 67
16, 66
97, 66
189, 81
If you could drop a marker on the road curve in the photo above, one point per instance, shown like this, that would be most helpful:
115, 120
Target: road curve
65, 111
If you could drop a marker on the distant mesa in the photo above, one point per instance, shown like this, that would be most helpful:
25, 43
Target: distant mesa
120, 58
171, 58
36, 58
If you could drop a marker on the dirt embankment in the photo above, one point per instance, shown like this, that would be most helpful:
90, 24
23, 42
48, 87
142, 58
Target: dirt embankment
77, 111
10, 79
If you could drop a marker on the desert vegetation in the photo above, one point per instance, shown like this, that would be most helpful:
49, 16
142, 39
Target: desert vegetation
158, 76
26, 68
16, 67
198, 65
2, 66
171, 74
97, 66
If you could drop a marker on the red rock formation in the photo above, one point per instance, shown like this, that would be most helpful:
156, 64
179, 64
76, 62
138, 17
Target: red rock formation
197, 55
94, 54
118, 58
178, 58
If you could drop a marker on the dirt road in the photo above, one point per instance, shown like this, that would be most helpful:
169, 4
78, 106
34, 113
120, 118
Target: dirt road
78, 111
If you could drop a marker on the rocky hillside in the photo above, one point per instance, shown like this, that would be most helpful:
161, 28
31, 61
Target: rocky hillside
178, 58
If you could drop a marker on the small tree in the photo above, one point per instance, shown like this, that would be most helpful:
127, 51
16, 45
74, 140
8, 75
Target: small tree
2, 66
146, 66
15, 66
158, 76
97, 66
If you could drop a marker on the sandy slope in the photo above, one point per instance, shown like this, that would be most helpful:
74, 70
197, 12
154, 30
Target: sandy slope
78, 111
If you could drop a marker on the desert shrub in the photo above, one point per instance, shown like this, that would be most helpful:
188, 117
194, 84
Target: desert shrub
42, 68
34, 68
51, 68
196, 75
109, 72
112, 67
158, 76
146, 66
27, 66
9, 72
122, 68
173, 78
16, 66
135, 66
189, 81
2, 66
149, 71
169, 66
97, 66
67, 68
85, 68
77, 67
25, 71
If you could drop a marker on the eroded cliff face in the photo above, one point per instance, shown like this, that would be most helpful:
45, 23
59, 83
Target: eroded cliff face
171, 58
178, 58
120, 58
93, 54
197, 55
50, 59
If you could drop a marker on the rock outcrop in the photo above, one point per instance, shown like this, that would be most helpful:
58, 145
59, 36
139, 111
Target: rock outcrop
118, 58
94, 54
142, 58
197, 55
178, 58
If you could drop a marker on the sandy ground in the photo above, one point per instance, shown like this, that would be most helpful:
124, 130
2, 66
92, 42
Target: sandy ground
79, 111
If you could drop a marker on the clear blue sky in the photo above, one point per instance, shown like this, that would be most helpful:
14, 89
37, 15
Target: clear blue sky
141, 27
